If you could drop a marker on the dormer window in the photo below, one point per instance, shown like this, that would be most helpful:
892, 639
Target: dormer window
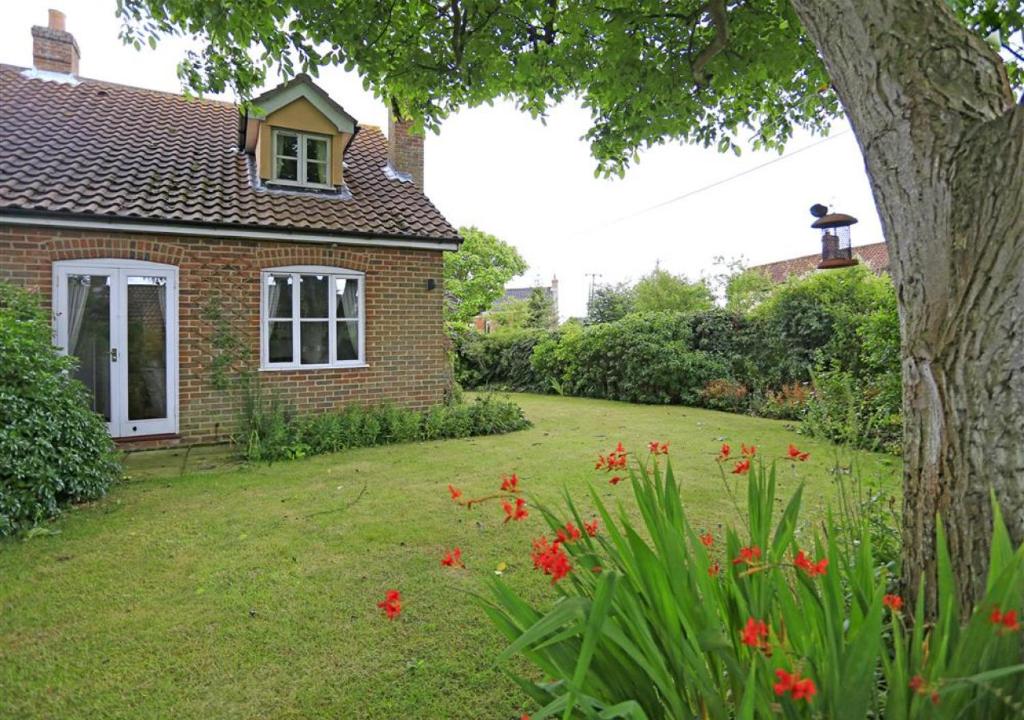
301, 159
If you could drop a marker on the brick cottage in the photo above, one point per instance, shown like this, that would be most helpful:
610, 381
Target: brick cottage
180, 242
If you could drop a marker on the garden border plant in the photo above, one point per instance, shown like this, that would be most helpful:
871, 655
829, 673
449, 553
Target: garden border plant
665, 620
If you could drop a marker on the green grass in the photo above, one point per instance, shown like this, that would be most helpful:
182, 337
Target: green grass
250, 592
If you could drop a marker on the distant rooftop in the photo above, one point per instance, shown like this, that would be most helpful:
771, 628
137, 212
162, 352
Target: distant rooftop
875, 256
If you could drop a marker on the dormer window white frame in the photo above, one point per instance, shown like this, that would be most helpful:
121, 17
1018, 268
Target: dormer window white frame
312, 317
301, 159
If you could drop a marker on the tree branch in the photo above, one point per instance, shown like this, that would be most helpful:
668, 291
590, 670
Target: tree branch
716, 11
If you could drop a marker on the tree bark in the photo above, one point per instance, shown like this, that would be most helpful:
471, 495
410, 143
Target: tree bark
943, 144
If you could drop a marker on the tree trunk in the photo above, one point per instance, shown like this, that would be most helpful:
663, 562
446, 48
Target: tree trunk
943, 143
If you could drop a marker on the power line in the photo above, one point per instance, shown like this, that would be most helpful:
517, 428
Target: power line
717, 183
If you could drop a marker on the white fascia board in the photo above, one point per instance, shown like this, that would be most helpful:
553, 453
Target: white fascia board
223, 232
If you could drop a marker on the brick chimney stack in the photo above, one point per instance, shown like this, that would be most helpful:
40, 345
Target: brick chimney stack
405, 150
53, 48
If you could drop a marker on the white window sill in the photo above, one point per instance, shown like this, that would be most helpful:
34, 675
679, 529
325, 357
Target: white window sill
293, 367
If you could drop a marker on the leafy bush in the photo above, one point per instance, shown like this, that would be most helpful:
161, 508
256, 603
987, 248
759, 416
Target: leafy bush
862, 412
667, 621
54, 449
645, 357
727, 395
499, 360
788, 403
268, 433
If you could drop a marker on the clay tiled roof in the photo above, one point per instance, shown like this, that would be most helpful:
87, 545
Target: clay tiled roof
875, 256
115, 152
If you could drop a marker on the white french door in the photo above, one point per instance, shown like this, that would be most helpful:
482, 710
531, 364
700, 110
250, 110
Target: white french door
120, 319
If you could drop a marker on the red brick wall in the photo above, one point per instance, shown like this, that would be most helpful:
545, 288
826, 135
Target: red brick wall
406, 346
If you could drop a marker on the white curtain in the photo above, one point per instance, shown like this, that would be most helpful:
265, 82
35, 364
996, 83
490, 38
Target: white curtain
348, 291
78, 295
273, 295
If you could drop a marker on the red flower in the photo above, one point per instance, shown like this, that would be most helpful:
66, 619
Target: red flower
591, 527
742, 467
453, 558
455, 492
657, 448
920, 686
801, 688
748, 452
795, 454
811, 568
707, 540
570, 533
917, 683
510, 483
893, 602
392, 604
1006, 620
724, 454
551, 558
755, 634
748, 555
615, 480
518, 512
714, 569
615, 460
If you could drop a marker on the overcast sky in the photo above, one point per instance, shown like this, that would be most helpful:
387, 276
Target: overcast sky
533, 185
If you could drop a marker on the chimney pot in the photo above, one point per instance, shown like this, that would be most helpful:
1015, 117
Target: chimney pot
405, 150
53, 48
56, 20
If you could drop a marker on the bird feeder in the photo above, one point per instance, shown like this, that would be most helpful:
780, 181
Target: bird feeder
836, 250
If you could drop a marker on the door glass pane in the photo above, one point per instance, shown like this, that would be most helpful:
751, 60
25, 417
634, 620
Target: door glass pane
314, 343
347, 298
348, 340
88, 316
280, 350
147, 347
313, 296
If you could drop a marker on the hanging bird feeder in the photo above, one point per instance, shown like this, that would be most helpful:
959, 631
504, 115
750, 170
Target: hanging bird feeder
836, 250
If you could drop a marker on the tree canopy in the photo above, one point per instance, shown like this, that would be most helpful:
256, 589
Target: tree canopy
663, 291
475, 276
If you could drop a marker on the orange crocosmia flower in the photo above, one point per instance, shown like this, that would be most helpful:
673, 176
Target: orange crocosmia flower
742, 467
601, 461
800, 688
714, 569
591, 527
551, 558
811, 568
510, 483
755, 634
725, 452
748, 555
570, 533
917, 683
795, 454
515, 512
455, 492
657, 448
707, 540
1006, 620
615, 480
748, 452
391, 604
453, 558
893, 602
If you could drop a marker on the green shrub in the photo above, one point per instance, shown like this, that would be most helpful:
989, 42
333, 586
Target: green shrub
498, 361
861, 412
268, 434
664, 620
53, 449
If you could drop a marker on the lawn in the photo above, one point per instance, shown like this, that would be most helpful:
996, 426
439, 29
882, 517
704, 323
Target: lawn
250, 592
